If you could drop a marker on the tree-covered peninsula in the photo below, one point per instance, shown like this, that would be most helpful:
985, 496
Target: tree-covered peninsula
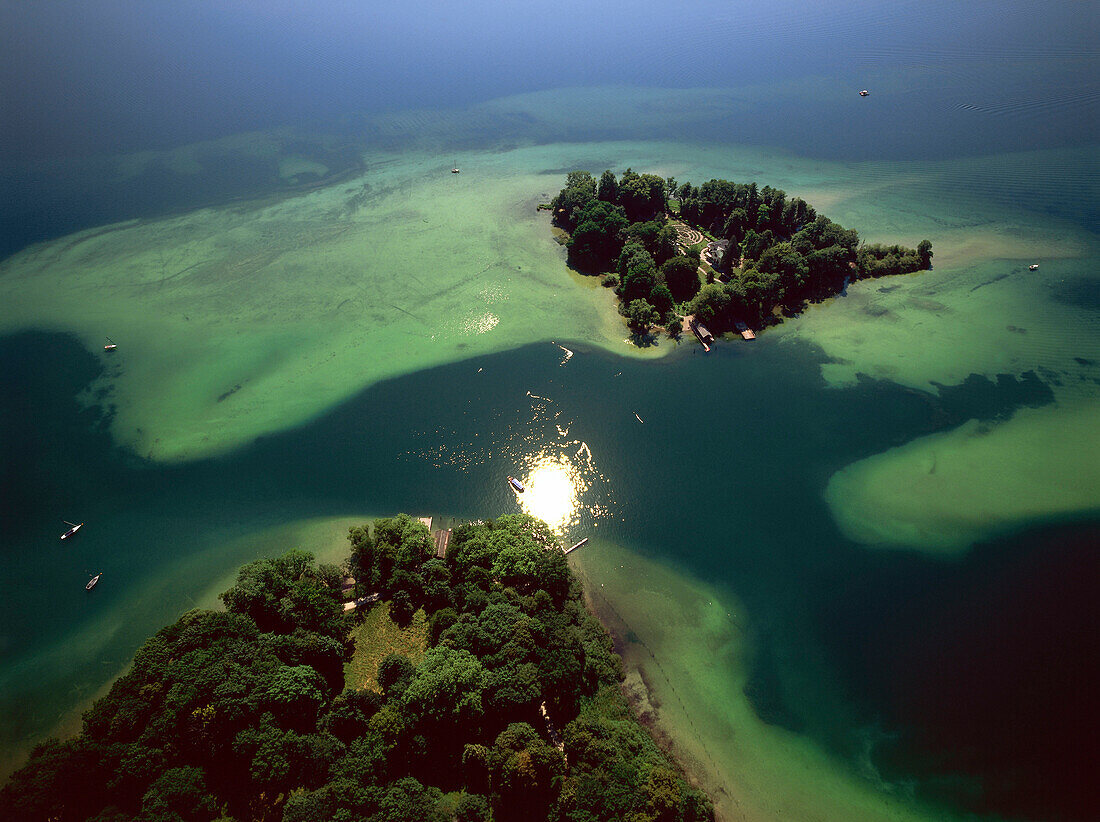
726, 253
507, 708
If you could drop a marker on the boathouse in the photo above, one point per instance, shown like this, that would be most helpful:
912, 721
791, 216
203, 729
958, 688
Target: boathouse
442, 539
705, 337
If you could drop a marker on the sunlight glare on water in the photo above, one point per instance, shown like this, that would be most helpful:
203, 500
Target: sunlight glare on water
553, 488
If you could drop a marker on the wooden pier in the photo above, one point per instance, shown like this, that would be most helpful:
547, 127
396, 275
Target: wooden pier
442, 539
575, 547
699, 330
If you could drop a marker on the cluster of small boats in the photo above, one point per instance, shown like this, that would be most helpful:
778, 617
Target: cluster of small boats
110, 345
73, 528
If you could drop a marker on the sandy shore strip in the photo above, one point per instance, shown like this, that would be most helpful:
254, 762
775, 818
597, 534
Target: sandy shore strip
685, 657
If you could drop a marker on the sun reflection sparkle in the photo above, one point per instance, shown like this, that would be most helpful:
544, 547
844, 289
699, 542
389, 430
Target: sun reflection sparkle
554, 486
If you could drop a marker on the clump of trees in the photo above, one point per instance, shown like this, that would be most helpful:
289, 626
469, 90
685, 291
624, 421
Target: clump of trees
781, 252
243, 714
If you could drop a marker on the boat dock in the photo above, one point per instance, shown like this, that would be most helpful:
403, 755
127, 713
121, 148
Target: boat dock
706, 339
442, 539
746, 332
575, 547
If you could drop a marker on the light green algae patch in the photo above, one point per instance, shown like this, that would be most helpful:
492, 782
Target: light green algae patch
980, 311
241, 320
686, 662
943, 492
237, 321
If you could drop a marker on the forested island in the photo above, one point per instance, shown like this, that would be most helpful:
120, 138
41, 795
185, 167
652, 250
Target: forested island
725, 253
506, 705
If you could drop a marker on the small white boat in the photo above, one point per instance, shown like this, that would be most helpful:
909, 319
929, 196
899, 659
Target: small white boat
864, 93
93, 581
73, 528
1033, 267
516, 484
639, 419
454, 170
110, 346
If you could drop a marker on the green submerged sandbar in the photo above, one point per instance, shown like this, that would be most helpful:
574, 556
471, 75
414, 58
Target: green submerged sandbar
256, 317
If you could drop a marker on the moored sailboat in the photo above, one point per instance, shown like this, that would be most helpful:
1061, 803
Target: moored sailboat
73, 528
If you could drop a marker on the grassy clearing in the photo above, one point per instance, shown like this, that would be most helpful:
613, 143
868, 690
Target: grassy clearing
378, 636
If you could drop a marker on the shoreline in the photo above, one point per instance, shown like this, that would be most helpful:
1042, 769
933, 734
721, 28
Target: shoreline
324, 537
643, 702
646, 704
698, 712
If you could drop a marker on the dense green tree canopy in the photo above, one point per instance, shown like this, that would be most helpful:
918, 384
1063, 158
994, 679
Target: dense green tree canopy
243, 714
597, 238
608, 190
642, 196
579, 191
640, 315
681, 275
781, 252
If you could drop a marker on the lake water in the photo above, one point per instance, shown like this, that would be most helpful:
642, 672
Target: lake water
874, 530
724, 476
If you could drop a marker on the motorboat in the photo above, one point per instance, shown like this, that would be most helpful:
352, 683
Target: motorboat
92, 582
517, 486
